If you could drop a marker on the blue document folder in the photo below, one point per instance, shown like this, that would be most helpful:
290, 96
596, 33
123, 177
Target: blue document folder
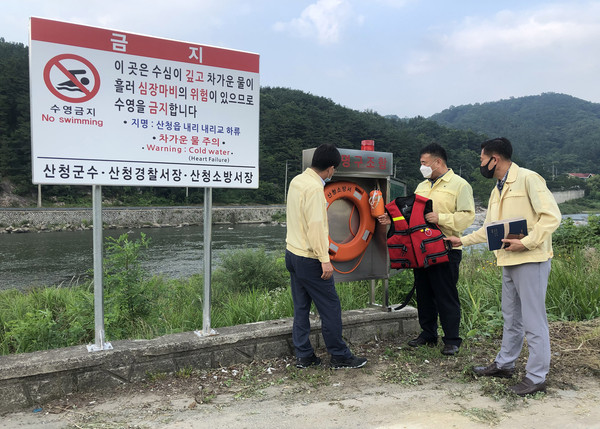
509, 228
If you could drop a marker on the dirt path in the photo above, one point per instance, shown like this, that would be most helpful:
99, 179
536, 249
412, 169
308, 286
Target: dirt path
354, 399
400, 387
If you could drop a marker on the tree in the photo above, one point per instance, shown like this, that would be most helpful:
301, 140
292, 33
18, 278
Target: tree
15, 147
593, 186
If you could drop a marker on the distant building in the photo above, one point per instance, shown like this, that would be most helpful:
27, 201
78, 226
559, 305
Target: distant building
583, 176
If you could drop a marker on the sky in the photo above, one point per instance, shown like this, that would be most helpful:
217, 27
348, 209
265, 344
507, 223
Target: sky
394, 57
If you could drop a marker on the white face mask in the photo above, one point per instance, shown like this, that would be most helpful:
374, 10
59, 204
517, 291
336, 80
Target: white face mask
426, 171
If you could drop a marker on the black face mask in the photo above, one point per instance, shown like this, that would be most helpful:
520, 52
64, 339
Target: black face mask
488, 174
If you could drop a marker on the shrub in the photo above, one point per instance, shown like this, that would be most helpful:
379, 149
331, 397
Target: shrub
127, 298
570, 236
248, 269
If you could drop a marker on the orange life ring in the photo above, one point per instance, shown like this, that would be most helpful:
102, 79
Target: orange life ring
357, 196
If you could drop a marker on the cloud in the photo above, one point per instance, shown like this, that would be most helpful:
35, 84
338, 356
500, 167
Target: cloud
551, 31
324, 20
550, 48
398, 4
538, 30
175, 19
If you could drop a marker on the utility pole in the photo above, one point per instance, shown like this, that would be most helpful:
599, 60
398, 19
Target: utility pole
285, 183
395, 167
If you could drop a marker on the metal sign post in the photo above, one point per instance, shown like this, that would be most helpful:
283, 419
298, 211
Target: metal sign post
206, 329
100, 344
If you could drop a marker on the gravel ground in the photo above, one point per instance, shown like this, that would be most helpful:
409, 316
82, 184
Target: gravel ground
400, 387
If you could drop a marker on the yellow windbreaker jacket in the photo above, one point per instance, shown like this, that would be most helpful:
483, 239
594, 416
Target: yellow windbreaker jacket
306, 217
452, 198
524, 195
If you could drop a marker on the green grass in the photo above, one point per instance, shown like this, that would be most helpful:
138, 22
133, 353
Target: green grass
574, 285
253, 286
480, 293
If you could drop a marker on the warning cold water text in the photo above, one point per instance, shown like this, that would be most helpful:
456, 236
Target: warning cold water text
115, 108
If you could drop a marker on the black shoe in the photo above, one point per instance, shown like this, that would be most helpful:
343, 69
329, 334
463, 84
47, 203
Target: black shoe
307, 362
492, 370
527, 387
351, 362
420, 341
449, 349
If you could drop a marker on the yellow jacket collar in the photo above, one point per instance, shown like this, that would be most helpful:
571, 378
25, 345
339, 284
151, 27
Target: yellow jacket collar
513, 171
312, 173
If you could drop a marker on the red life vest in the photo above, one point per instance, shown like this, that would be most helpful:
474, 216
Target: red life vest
412, 241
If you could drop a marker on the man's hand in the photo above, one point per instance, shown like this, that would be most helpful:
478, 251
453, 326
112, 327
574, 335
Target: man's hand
432, 217
384, 219
513, 245
327, 270
454, 240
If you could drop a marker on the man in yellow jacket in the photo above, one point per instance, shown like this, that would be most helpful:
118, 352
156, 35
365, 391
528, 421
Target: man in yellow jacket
525, 264
453, 211
307, 260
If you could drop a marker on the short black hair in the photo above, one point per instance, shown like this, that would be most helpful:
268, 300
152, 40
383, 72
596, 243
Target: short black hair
435, 150
325, 156
498, 146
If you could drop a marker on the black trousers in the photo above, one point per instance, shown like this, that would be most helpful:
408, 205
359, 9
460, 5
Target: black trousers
309, 287
437, 296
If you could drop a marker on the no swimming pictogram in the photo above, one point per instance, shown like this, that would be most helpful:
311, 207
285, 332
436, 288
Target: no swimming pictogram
72, 78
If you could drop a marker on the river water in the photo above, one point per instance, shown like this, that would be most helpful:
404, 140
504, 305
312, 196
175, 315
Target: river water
48, 258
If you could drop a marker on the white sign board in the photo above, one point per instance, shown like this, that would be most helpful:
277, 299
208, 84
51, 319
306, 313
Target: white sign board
116, 108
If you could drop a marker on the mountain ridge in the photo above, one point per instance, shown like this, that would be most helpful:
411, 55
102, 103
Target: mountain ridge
546, 129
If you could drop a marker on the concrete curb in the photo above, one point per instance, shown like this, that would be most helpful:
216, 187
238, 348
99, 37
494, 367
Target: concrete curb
34, 378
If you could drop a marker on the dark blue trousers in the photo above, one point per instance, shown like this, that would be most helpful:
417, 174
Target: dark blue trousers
308, 287
437, 296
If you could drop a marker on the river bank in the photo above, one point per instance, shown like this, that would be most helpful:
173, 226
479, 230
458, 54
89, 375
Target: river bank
27, 219
19, 220
80, 219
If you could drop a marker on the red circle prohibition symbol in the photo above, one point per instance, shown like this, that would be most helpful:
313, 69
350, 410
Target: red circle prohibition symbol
88, 93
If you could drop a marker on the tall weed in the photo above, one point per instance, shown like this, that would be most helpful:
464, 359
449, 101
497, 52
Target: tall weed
45, 318
126, 296
480, 293
254, 305
574, 285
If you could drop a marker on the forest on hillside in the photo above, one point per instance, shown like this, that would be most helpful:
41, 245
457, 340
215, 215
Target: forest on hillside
555, 133
290, 121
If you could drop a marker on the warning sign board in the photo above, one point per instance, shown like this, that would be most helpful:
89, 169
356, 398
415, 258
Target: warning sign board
115, 108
